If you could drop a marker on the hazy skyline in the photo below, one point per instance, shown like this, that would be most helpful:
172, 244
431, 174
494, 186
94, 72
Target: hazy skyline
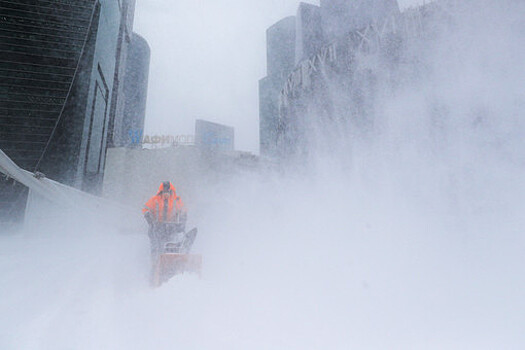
393, 221
206, 60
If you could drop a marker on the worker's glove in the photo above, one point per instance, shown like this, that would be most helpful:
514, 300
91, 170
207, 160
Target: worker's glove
149, 218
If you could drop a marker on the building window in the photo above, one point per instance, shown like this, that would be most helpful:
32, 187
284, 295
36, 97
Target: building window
97, 129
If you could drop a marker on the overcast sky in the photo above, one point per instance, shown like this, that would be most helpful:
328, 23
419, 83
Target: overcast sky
206, 59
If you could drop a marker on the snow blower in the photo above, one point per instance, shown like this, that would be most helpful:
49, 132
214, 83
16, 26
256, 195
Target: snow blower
175, 258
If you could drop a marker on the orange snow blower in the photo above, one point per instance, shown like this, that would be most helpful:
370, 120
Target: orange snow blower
175, 259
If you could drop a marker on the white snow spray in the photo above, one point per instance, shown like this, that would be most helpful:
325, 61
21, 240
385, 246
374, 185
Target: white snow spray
408, 236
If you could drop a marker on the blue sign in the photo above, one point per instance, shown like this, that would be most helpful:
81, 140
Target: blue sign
135, 136
210, 138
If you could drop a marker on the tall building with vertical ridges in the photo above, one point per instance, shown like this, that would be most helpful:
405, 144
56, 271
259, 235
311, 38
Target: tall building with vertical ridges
280, 44
130, 130
340, 17
319, 31
124, 42
309, 31
58, 68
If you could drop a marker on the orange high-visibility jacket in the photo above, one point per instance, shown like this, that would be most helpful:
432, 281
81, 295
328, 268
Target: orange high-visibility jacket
165, 210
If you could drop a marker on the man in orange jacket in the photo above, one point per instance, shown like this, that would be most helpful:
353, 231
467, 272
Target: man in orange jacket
165, 214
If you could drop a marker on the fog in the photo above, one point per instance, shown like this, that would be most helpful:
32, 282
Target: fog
207, 57
408, 235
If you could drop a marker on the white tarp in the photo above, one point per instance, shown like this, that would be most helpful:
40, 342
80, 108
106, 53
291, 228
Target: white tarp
48, 196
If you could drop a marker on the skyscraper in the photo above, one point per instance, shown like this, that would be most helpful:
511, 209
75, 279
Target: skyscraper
309, 31
280, 39
323, 57
58, 64
129, 132
340, 17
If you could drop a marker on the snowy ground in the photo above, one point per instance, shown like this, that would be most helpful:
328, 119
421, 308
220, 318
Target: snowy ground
362, 274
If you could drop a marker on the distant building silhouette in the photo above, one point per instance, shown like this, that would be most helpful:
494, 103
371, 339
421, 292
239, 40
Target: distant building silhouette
214, 137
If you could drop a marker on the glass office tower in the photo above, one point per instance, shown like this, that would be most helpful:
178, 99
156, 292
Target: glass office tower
57, 74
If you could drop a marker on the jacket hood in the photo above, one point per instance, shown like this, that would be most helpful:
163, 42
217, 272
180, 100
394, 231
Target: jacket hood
161, 188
